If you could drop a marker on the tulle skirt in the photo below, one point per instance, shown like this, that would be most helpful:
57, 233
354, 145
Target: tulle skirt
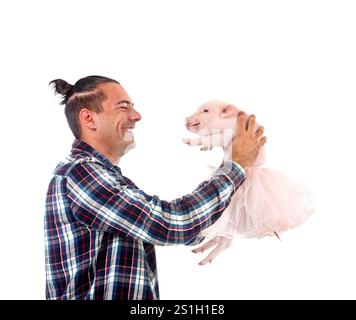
268, 203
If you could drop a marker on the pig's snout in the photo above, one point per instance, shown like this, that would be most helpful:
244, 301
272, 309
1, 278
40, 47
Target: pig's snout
191, 123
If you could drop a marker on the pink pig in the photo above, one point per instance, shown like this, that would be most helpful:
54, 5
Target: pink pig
268, 202
215, 122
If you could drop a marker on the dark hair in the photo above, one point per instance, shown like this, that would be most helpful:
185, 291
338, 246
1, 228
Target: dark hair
84, 93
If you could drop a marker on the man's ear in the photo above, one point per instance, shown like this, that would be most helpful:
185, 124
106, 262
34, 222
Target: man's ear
229, 111
87, 119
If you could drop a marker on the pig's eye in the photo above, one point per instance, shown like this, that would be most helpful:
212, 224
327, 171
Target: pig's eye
205, 110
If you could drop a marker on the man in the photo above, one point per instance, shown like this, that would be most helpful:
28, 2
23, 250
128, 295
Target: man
100, 228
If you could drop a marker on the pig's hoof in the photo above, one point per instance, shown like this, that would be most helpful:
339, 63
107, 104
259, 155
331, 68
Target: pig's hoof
186, 141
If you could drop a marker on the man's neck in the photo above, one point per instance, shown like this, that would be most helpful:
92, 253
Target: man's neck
112, 155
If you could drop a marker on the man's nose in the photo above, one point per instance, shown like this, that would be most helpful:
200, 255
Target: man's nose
135, 116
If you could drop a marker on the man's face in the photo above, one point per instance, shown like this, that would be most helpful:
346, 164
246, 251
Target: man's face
114, 126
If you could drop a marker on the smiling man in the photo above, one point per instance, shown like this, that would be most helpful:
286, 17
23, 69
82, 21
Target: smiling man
100, 228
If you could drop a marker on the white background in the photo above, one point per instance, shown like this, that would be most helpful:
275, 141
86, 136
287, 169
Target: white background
292, 63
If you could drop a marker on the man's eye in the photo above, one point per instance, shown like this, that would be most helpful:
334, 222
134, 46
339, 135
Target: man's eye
205, 110
123, 108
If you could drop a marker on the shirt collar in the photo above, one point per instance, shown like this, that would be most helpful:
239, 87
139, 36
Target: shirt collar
80, 147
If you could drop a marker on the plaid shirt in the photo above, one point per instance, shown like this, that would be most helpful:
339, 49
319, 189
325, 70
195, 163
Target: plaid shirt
100, 228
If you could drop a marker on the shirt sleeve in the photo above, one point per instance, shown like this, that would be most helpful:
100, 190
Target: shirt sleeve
193, 242
100, 202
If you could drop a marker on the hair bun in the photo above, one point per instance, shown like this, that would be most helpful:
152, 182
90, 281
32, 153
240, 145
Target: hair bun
62, 87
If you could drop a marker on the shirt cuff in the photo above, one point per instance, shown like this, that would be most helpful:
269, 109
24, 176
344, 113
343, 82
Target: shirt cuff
233, 171
239, 166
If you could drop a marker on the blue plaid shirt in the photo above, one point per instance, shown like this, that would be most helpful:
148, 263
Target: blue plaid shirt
101, 229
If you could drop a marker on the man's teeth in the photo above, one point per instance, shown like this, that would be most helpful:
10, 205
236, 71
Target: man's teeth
128, 134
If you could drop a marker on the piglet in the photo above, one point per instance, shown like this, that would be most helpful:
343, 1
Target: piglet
267, 203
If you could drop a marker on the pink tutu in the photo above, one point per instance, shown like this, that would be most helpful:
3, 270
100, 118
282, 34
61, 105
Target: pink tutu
267, 203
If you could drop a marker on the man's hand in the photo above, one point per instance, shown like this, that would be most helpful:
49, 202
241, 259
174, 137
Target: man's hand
247, 143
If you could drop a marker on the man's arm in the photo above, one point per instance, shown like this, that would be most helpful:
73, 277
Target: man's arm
98, 202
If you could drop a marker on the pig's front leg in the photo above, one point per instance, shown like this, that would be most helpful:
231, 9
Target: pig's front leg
216, 139
193, 141
205, 142
220, 244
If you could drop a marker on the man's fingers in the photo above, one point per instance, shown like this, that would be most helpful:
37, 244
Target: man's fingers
259, 132
263, 141
241, 123
251, 123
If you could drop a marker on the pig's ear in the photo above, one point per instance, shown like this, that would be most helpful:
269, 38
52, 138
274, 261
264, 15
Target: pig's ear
229, 111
